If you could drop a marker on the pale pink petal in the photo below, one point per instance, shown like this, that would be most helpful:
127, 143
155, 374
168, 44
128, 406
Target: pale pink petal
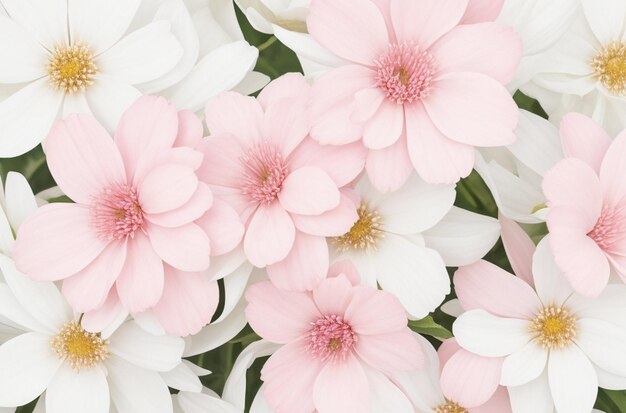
519, 248
388, 169
83, 158
499, 403
479, 11
366, 103
357, 34
190, 129
222, 165
195, 208
341, 387
166, 188
107, 318
333, 223
309, 191
446, 350
140, 284
398, 351
270, 235
304, 267
290, 85
385, 127
436, 158
223, 226
88, 289
483, 111
470, 379
425, 21
286, 124
235, 114
342, 163
188, 302
182, 156
347, 269
279, 316
489, 48
486, 286
332, 296
150, 124
614, 167
372, 311
289, 377
584, 139
186, 247
56, 241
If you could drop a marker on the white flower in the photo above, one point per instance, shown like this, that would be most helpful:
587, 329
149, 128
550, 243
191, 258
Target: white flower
78, 371
404, 240
555, 346
585, 71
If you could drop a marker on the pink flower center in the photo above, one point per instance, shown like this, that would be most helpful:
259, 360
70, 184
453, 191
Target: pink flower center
331, 337
116, 214
265, 171
610, 227
405, 73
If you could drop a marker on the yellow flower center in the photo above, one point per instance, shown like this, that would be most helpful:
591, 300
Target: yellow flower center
80, 348
450, 407
554, 327
71, 68
365, 232
610, 67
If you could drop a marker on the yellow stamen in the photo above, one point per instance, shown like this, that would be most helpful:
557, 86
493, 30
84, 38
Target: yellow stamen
364, 234
450, 407
554, 328
80, 348
610, 67
71, 68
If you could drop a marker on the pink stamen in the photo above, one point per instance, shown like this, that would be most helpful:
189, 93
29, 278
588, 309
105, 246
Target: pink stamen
265, 171
116, 214
610, 227
405, 73
331, 338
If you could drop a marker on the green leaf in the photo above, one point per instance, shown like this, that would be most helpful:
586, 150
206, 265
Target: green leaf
429, 327
611, 401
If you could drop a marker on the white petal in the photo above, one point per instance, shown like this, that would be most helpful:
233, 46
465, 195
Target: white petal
24, 59
259, 404
204, 403
524, 365
145, 350
306, 46
463, 237
606, 18
21, 131
484, 334
28, 365
533, 397
253, 82
234, 287
45, 19
603, 343
18, 316
182, 378
573, 380
551, 286
610, 381
143, 55
108, 98
385, 396
78, 392
20, 200
610, 306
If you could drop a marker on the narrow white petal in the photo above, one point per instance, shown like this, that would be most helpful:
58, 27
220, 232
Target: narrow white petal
45, 19
524, 365
204, 403
533, 397
182, 378
573, 380
23, 58
108, 98
20, 200
81, 391
603, 343
550, 284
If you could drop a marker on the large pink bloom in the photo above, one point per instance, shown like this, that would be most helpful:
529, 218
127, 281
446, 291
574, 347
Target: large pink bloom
586, 196
284, 185
421, 86
333, 337
142, 220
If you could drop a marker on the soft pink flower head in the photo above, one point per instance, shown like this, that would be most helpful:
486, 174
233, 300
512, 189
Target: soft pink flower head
284, 185
586, 196
142, 224
422, 84
332, 336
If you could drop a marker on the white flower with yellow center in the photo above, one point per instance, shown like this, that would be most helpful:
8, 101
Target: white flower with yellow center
66, 56
404, 240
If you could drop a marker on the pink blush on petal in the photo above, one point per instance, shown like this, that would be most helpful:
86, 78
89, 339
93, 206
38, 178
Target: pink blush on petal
264, 172
116, 213
331, 338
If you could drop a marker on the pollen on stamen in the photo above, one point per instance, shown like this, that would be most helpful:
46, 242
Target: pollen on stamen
450, 407
405, 73
610, 67
80, 348
331, 338
71, 68
365, 233
116, 213
265, 170
554, 328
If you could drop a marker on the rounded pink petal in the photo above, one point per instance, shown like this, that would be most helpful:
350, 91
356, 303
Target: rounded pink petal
347, 269
279, 316
186, 247
140, 284
188, 302
385, 127
388, 169
613, 169
446, 350
106, 318
150, 124
181, 156
235, 114
333, 223
287, 86
56, 241
374, 311
83, 158
192, 210
489, 48
498, 403
436, 158
166, 188
190, 129
472, 108
398, 351
341, 387
223, 226
270, 235
425, 21
486, 286
89, 288
358, 34
519, 248
333, 296
286, 123
304, 267
479, 11
366, 103
222, 165
584, 139
289, 377
309, 191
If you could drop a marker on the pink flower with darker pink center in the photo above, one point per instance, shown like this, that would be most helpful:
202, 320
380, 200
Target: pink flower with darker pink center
339, 342
586, 196
143, 226
422, 84
284, 185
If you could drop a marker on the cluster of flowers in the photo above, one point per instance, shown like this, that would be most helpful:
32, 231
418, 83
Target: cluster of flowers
320, 212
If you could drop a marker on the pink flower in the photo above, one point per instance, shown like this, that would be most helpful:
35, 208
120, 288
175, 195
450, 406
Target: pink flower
335, 339
587, 205
142, 222
420, 86
284, 185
